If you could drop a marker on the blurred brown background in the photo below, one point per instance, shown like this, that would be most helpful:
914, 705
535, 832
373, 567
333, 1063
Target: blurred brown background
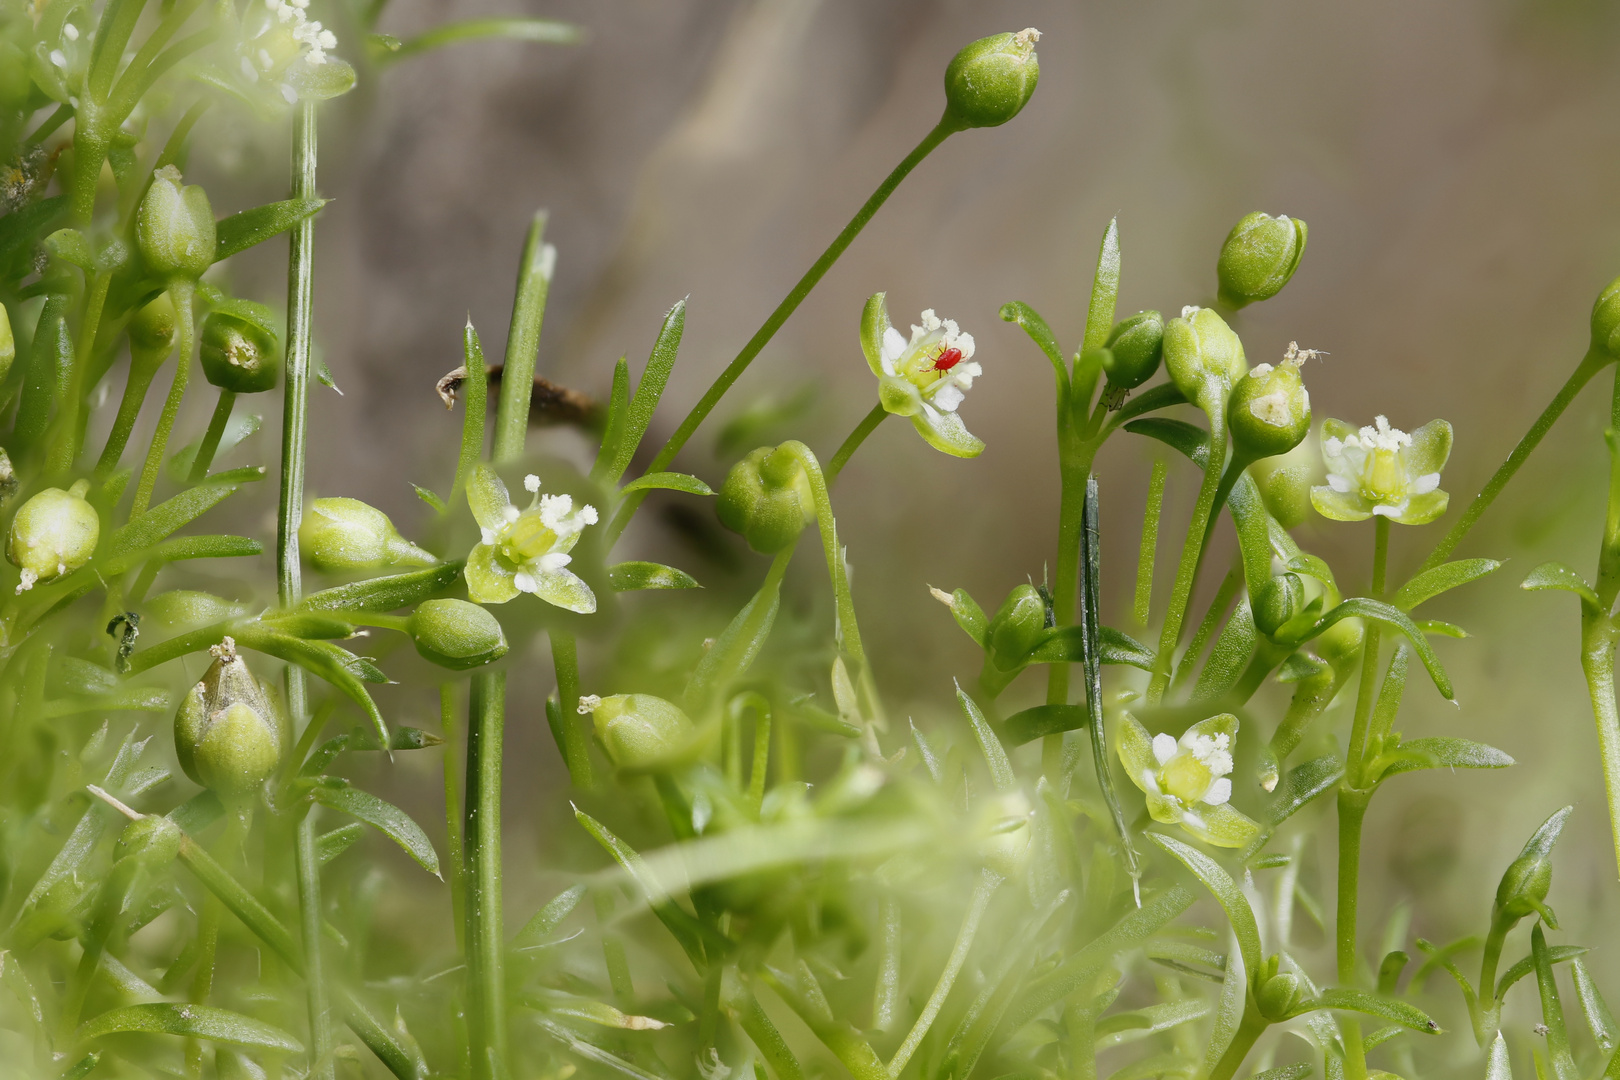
1456, 163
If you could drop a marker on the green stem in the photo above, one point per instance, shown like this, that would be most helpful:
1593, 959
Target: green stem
65, 448
1494, 940
1593, 362
1367, 693
1252, 1026
210, 443
1191, 549
1075, 466
847, 449
1352, 809
1143, 607
989, 882
142, 368
453, 811
295, 396
475, 398
572, 738
322, 1067
182, 292
486, 1012
790, 303
523, 341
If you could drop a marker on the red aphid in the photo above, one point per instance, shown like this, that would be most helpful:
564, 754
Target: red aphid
948, 359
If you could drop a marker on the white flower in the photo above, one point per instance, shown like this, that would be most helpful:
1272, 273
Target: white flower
925, 377
525, 551
1381, 470
1187, 780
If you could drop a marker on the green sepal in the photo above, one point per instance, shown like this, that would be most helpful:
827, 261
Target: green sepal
874, 324
634, 576
243, 230
946, 433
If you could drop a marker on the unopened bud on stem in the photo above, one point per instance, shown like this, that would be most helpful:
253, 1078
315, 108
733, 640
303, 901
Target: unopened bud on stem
346, 534
175, 227
53, 534
991, 80
227, 735
767, 497
1260, 254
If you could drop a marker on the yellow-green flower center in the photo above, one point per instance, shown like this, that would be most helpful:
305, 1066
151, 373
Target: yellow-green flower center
1186, 778
525, 539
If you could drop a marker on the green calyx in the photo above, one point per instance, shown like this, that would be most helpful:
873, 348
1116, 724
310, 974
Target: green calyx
1524, 887
1259, 256
340, 535
768, 499
175, 227
638, 731
1606, 320
239, 350
152, 332
1276, 602
153, 839
1204, 357
990, 81
1269, 412
227, 735
1135, 349
1278, 992
53, 534
1016, 627
457, 634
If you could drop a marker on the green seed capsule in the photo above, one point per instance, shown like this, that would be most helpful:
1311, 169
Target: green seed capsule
990, 81
175, 227
345, 534
768, 499
1276, 602
239, 349
1606, 320
1277, 996
227, 735
53, 534
638, 731
153, 839
1136, 348
152, 332
1260, 254
457, 634
1204, 357
1269, 412
1016, 627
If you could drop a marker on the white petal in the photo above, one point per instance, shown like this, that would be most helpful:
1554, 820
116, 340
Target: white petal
555, 560
1219, 792
525, 582
1164, 747
1338, 483
948, 396
894, 345
1425, 484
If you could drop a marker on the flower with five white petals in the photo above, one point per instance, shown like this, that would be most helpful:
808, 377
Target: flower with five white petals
1187, 780
925, 377
1382, 470
525, 551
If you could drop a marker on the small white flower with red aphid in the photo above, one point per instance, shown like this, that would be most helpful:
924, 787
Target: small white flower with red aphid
924, 378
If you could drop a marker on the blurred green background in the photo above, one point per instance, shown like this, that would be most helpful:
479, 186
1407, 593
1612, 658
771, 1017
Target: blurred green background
1456, 163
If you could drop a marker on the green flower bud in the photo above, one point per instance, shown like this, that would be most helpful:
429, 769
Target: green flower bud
991, 80
1523, 889
153, 839
457, 634
638, 731
1277, 996
1135, 348
1016, 627
1277, 601
175, 227
767, 498
239, 349
152, 332
227, 735
53, 534
8, 343
1204, 357
346, 534
1270, 411
1260, 254
1285, 483
1606, 320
